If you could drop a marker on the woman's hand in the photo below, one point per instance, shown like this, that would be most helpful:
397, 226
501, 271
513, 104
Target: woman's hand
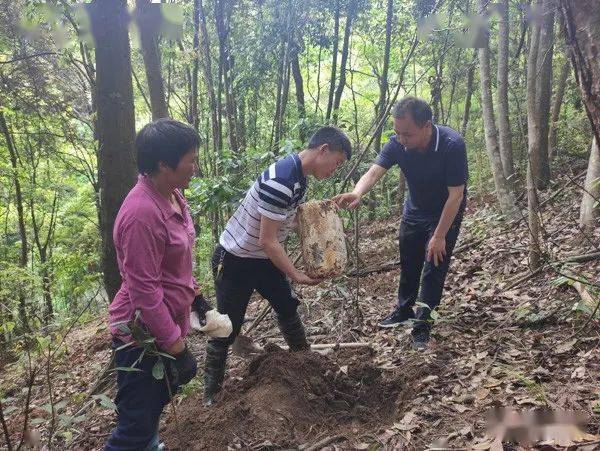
176, 348
183, 368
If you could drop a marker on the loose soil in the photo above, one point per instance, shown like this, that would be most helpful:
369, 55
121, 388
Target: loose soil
289, 398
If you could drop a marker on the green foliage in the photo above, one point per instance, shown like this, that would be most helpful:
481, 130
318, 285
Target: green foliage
49, 108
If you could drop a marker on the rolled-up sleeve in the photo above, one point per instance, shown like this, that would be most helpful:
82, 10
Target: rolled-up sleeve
143, 249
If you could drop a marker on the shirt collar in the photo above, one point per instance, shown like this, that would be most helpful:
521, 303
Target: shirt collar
434, 143
163, 204
298, 166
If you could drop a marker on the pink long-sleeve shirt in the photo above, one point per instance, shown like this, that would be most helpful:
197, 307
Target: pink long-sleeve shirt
154, 252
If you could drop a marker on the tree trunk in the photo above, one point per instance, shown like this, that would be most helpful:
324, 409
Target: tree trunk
282, 80
43, 245
195, 68
20, 215
383, 79
116, 122
590, 203
149, 17
581, 25
534, 222
210, 89
469, 94
505, 196
504, 133
227, 73
534, 149
298, 83
533, 122
345, 49
558, 98
336, 38
544, 90
46, 285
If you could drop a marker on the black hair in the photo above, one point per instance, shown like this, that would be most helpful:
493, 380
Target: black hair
419, 110
165, 140
332, 136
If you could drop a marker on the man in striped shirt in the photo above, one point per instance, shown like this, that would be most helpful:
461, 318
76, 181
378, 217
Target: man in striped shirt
250, 255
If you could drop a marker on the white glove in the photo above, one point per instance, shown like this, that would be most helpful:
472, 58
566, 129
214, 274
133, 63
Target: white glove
217, 324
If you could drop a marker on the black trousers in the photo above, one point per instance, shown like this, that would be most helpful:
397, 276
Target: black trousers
238, 278
140, 401
416, 272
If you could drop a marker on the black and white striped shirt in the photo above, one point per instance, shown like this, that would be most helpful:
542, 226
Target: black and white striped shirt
276, 194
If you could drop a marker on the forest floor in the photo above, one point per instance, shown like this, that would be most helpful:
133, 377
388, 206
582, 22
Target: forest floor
500, 341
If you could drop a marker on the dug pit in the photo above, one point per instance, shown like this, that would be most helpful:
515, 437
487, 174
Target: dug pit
286, 400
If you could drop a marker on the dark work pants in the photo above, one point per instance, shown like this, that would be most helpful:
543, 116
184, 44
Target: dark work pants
416, 272
239, 278
140, 401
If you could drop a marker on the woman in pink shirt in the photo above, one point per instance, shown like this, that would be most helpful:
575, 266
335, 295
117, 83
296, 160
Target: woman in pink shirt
154, 236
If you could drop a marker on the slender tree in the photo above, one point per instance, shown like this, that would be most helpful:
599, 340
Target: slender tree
334, 57
556, 105
505, 196
504, 133
350, 14
149, 19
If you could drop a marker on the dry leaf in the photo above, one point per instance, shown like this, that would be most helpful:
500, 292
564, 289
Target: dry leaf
482, 393
578, 373
460, 408
565, 347
491, 382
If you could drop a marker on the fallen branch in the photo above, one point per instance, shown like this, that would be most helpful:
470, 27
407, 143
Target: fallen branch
106, 377
565, 186
393, 264
350, 345
321, 443
523, 278
588, 300
581, 258
264, 312
573, 259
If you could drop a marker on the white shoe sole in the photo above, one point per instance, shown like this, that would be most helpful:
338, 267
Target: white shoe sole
389, 326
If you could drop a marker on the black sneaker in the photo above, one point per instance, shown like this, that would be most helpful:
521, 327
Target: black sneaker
420, 337
397, 317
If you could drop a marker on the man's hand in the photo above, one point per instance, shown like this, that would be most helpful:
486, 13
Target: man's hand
347, 200
436, 250
301, 278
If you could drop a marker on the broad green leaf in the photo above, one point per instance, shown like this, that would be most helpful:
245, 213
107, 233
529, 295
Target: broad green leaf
158, 370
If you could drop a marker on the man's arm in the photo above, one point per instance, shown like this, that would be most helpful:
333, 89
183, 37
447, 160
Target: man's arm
276, 253
437, 243
366, 182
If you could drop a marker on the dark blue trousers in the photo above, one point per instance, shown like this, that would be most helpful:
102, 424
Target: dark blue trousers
416, 272
140, 401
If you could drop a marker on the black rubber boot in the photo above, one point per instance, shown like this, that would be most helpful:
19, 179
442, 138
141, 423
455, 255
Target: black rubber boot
293, 332
214, 369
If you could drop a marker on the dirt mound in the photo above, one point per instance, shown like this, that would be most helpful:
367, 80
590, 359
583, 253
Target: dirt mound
286, 400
